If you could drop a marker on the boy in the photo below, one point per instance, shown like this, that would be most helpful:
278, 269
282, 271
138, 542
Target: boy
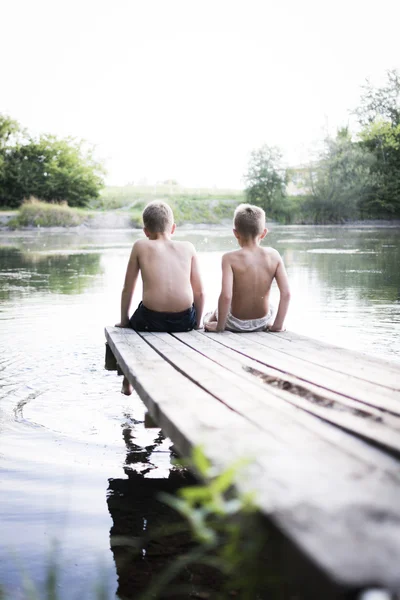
247, 275
173, 295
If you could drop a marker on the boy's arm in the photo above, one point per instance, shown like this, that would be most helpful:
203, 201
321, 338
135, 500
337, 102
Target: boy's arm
225, 297
131, 276
284, 290
197, 287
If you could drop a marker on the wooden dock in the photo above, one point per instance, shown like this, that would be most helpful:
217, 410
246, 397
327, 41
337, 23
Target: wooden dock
319, 425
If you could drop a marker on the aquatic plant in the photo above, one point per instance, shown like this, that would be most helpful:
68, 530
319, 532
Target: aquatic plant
226, 534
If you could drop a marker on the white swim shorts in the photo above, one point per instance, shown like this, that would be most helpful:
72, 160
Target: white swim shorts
238, 325
241, 326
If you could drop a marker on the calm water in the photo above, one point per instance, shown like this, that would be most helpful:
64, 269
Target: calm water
75, 459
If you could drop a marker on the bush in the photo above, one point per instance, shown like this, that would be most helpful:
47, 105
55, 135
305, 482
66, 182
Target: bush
35, 213
48, 167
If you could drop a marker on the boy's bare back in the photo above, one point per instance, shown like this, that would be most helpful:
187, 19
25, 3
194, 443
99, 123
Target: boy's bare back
166, 267
253, 270
173, 297
247, 275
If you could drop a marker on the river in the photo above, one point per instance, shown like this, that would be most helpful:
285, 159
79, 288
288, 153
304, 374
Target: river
74, 454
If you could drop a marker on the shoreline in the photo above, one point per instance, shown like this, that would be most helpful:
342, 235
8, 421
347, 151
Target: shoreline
121, 220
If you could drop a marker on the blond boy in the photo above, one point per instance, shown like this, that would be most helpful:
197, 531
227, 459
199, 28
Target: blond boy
173, 295
247, 275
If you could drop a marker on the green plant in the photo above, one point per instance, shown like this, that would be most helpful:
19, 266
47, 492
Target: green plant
36, 213
224, 527
49, 590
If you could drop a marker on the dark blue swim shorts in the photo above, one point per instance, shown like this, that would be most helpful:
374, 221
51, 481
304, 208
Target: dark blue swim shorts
144, 319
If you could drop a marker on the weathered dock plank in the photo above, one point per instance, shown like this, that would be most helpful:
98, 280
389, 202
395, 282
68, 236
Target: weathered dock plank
299, 365
371, 423
342, 360
336, 497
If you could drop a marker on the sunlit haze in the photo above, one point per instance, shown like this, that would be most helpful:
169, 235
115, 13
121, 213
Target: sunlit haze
185, 90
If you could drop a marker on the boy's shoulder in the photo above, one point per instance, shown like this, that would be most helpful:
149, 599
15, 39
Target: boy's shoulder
143, 244
184, 246
140, 245
240, 252
271, 251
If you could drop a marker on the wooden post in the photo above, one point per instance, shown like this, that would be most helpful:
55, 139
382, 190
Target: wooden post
110, 360
148, 422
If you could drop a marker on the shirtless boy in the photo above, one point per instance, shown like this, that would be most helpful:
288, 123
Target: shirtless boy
247, 275
173, 295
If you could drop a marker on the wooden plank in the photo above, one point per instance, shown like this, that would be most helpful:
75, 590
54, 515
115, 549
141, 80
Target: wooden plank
357, 364
357, 389
319, 485
293, 478
371, 424
252, 400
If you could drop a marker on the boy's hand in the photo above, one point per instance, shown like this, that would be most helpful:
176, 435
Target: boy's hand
211, 326
122, 324
275, 329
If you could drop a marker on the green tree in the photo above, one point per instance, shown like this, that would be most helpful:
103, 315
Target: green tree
47, 167
8, 130
380, 104
340, 182
379, 117
266, 180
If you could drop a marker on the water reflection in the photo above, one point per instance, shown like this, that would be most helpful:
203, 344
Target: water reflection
348, 259
22, 272
137, 512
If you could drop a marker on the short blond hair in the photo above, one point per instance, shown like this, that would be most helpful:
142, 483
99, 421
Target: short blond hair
158, 216
249, 220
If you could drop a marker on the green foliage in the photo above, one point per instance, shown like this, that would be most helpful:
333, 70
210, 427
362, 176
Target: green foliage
50, 588
382, 139
379, 116
266, 180
225, 528
340, 182
9, 129
206, 206
129, 195
34, 213
380, 104
60, 273
49, 168
193, 210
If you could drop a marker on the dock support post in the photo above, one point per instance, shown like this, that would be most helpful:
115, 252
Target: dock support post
148, 422
110, 360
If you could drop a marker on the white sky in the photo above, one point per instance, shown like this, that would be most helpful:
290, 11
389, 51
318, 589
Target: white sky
185, 90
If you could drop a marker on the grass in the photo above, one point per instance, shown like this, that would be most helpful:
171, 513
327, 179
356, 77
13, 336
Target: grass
193, 206
35, 213
190, 210
190, 205
129, 196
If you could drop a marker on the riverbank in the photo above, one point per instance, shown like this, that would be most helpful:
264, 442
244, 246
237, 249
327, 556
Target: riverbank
124, 219
187, 210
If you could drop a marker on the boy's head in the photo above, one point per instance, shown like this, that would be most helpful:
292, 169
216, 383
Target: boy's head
249, 221
158, 217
